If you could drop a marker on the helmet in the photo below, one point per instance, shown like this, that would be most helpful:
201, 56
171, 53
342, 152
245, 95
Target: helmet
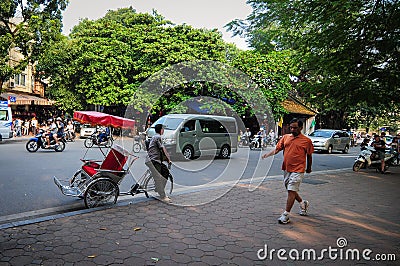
50, 120
58, 119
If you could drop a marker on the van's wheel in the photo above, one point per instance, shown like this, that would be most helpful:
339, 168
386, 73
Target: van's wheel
188, 152
100, 192
357, 166
330, 148
225, 152
346, 149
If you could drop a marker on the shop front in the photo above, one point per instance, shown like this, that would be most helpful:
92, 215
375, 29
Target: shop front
25, 106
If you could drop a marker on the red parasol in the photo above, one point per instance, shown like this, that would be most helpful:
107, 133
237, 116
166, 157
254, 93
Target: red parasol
102, 119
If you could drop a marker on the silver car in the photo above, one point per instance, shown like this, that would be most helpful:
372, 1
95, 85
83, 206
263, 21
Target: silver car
330, 139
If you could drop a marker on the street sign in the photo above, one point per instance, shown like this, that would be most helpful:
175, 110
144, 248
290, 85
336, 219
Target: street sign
12, 99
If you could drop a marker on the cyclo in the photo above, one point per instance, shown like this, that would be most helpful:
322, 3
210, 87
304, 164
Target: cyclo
97, 181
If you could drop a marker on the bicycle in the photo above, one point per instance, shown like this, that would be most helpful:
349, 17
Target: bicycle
139, 143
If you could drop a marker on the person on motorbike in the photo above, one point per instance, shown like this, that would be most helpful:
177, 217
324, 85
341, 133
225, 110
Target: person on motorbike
247, 135
380, 146
104, 134
69, 129
60, 130
260, 136
271, 136
51, 131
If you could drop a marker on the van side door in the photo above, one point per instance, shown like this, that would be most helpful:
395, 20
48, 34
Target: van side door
188, 135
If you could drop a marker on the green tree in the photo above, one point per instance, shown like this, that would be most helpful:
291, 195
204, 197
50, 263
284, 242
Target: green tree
103, 62
29, 27
349, 51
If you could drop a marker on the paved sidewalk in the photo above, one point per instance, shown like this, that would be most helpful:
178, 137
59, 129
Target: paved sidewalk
349, 214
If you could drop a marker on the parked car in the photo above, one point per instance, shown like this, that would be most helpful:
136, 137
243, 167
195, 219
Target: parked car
87, 130
330, 139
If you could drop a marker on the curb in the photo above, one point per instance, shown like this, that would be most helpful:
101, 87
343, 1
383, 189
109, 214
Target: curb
128, 200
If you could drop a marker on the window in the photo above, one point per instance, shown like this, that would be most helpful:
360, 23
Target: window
189, 125
20, 79
3, 115
212, 126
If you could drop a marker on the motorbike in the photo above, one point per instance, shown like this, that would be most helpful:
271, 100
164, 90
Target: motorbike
255, 142
96, 139
70, 135
39, 141
365, 160
244, 141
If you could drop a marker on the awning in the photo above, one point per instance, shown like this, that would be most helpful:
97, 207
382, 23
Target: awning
24, 99
103, 119
296, 107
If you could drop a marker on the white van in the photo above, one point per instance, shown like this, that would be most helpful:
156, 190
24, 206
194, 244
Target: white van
193, 135
6, 131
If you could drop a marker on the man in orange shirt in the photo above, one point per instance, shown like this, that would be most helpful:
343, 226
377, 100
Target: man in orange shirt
298, 151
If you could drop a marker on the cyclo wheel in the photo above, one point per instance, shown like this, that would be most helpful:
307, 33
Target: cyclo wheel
100, 192
148, 182
136, 147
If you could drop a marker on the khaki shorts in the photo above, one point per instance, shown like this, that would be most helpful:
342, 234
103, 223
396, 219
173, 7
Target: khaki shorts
292, 180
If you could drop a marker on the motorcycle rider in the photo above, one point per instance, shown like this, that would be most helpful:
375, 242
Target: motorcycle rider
380, 146
247, 135
70, 130
51, 131
104, 134
60, 130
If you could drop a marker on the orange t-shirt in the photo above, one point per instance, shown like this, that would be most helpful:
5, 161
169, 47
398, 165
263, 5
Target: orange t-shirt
295, 150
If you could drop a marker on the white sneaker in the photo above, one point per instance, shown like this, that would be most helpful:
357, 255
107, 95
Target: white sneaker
166, 199
284, 219
304, 209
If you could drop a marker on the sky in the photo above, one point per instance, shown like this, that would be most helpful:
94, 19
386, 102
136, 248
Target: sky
208, 14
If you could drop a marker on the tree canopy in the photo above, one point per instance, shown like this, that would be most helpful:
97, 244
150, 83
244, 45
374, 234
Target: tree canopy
348, 51
103, 62
29, 27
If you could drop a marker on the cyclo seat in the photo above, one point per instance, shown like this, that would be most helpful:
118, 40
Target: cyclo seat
113, 163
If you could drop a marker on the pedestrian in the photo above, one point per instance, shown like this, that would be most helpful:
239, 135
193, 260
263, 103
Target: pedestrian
380, 147
18, 126
298, 151
34, 125
156, 154
25, 127
395, 146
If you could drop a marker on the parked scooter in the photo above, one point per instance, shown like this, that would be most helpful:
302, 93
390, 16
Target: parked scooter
364, 160
39, 141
